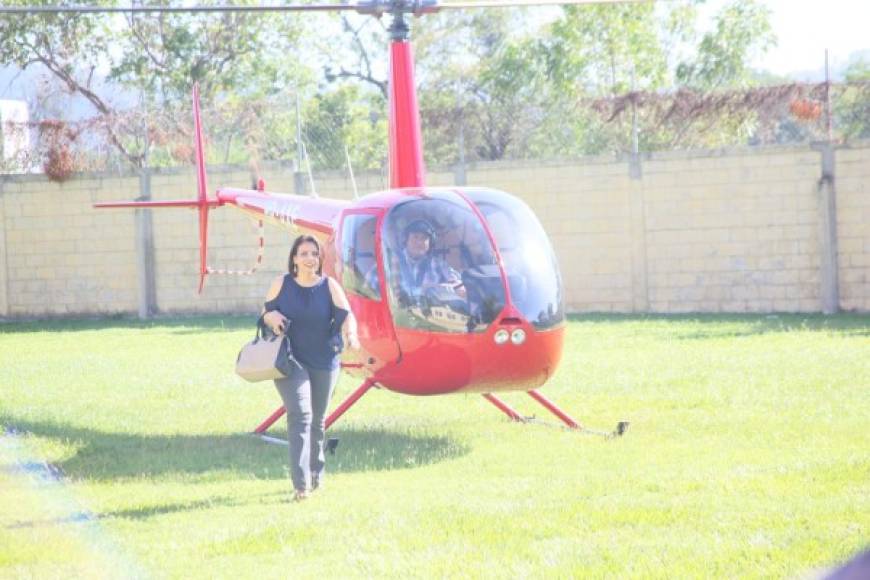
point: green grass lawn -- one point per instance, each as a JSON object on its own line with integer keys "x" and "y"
{"x": 748, "y": 455}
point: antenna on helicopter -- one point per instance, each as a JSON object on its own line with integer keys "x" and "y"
{"x": 308, "y": 168}
{"x": 350, "y": 170}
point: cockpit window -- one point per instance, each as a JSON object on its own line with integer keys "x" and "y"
{"x": 359, "y": 264}
{"x": 441, "y": 267}
{"x": 529, "y": 261}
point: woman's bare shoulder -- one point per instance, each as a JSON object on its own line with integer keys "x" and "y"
{"x": 275, "y": 288}
{"x": 338, "y": 296}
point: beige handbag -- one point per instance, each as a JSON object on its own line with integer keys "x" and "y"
{"x": 267, "y": 357}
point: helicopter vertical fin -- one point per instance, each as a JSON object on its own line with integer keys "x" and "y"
{"x": 201, "y": 189}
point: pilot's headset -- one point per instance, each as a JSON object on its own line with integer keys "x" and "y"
{"x": 421, "y": 226}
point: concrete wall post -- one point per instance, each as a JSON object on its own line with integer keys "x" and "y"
{"x": 829, "y": 269}
{"x": 4, "y": 290}
{"x": 639, "y": 284}
{"x": 147, "y": 298}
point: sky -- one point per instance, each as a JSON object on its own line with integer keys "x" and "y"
{"x": 805, "y": 28}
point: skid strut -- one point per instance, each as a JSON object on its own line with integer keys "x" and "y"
{"x": 333, "y": 417}
{"x": 549, "y": 405}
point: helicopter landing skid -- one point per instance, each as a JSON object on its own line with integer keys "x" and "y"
{"x": 620, "y": 429}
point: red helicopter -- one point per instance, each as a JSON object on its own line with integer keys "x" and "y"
{"x": 500, "y": 326}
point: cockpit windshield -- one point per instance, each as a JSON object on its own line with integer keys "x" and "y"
{"x": 529, "y": 260}
{"x": 442, "y": 270}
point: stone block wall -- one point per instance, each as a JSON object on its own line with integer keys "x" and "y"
{"x": 737, "y": 230}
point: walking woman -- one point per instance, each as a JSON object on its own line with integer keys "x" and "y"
{"x": 313, "y": 310}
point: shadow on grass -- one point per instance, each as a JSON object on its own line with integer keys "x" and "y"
{"x": 174, "y": 324}
{"x": 714, "y": 325}
{"x": 704, "y": 326}
{"x": 102, "y": 456}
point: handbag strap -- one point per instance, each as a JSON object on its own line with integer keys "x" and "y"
{"x": 260, "y": 332}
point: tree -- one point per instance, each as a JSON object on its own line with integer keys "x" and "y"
{"x": 741, "y": 30}
{"x": 346, "y": 117}
{"x": 852, "y": 102}
{"x": 482, "y": 78}
{"x": 629, "y": 54}
{"x": 68, "y": 46}
{"x": 239, "y": 60}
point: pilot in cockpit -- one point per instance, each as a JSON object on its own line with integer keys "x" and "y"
{"x": 420, "y": 270}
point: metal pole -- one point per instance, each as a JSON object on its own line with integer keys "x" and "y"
{"x": 459, "y": 175}
{"x": 298, "y": 179}
{"x": 635, "y": 141}
{"x": 634, "y": 168}
{"x": 829, "y": 125}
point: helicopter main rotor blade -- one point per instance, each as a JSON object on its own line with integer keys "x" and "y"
{"x": 373, "y": 7}
{"x": 188, "y": 9}
{"x": 517, "y": 3}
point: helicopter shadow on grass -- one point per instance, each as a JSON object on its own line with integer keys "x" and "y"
{"x": 106, "y": 456}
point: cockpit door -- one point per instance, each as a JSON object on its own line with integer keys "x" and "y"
{"x": 361, "y": 274}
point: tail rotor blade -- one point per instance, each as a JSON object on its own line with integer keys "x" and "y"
{"x": 201, "y": 189}
{"x": 202, "y": 203}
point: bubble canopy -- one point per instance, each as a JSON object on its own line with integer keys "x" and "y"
{"x": 528, "y": 258}
{"x": 443, "y": 272}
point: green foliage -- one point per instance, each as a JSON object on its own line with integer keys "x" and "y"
{"x": 852, "y": 105}
{"x": 243, "y": 54}
{"x": 515, "y": 91}
{"x": 741, "y": 30}
{"x": 346, "y": 117}
{"x": 239, "y": 61}
{"x": 493, "y": 84}
{"x": 605, "y": 50}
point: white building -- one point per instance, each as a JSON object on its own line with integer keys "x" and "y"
{"x": 14, "y": 136}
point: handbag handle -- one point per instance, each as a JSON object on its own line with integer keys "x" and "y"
{"x": 263, "y": 331}
{"x": 260, "y": 332}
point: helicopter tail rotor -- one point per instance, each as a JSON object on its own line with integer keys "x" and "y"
{"x": 202, "y": 203}
{"x": 201, "y": 189}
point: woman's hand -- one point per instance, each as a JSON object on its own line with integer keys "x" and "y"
{"x": 275, "y": 321}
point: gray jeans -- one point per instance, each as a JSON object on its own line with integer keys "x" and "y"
{"x": 306, "y": 395}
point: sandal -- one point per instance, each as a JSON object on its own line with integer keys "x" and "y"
{"x": 300, "y": 494}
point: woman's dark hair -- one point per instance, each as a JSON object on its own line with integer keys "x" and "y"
{"x": 304, "y": 239}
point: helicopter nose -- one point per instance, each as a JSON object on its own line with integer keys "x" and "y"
{"x": 517, "y": 356}
{"x": 510, "y": 330}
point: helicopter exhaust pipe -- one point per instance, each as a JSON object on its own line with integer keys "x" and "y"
{"x": 202, "y": 203}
